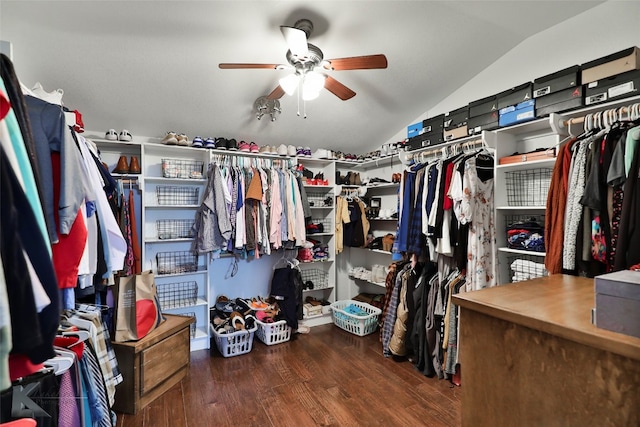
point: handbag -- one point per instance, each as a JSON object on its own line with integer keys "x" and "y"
{"x": 137, "y": 307}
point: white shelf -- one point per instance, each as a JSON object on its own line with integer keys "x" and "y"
{"x": 199, "y": 302}
{"x": 327, "y": 187}
{"x": 321, "y": 207}
{"x": 310, "y": 235}
{"x": 172, "y": 206}
{"x": 520, "y": 208}
{"x": 544, "y": 163}
{"x": 381, "y": 284}
{"x": 380, "y": 251}
{"x": 106, "y": 143}
{"x": 315, "y": 261}
{"x": 537, "y": 125}
{"x": 382, "y": 219}
{"x": 522, "y": 252}
{"x": 200, "y": 270}
{"x": 317, "y": 290}
{"x": 382, "y": 185}
{"x": 323, "y": 319}
{"x": 156, "y": 240}
{"x": 162, "y": 180}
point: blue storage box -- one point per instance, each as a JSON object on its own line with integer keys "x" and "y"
{"x": 414, "y": 130}
{"x": 517, "y": 113}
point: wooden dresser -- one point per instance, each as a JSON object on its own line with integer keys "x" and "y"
{"x": 530, "y": 356}
{"x": 152, "y": 365}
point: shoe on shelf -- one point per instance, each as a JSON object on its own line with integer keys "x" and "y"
{"x": 170, "y": 139}
{"x": 124, "y": 136}
{"x": 122, "y": 166}
{"x": 111, "y": 135}
{"x": 210, "y": 143}
{"x": 197, "y": 142}
{"x": 282, "y": 150}
{"x": 265, "y": 149}
{"x": 291, "y": 151}
{"x": 134, "y": 165}
{"x": 320, "y": 153}
{"x": 300, "y": 152}
{"x": 182, "y": 140}
{"x": 253, "y": 147}
{"x": 307, "y": 152}
{"x": 244, "y": 147}
{"x": 232, "y": 144}
{"x": 220, "y": 143}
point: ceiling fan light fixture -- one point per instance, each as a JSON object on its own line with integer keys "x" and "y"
{"x": 289, "y": 83}
{"x": 313, "y": 81}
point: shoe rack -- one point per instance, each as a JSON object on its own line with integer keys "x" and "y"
{"x": 321, "y": 270}
{"x": 362, "y": 269}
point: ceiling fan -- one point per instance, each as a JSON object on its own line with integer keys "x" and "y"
{"x": 309, "y": 66}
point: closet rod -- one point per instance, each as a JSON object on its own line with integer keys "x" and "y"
{"x": 619, "y": 111}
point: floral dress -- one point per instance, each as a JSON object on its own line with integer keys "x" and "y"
{"x": 477, "y": 208}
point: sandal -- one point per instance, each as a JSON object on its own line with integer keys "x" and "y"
{"x": 237, "y": 321}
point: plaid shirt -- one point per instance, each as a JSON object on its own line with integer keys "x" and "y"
{"x": 393, "y": 284}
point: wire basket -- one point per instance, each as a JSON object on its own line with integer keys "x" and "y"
{"x": 192, "y": 326}
{"x": 319, "y": 278}
{"x": 175, "y": 228}
{"x": 320, "y": 199}
{"x": 526, "y": 267}
{"x": 177, "y": 168}
{"x": 179, "y": 294}
{"x": 528, "y": 187}
{"x": 360, "y": 325}
{"x": 273, "y": 333}
{"x": 173, "y": 195}
{"x": 525, "y": 232}
{"x": 176, "y": 262}
{"x": 235, "y": 343}
{"x": 319, "y": 225}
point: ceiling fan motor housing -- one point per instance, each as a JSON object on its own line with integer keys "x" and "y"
{"x": 304, "y": 25}
{"x": 306, "y": 63}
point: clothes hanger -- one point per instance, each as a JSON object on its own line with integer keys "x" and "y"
{"x": 62, "y": 361}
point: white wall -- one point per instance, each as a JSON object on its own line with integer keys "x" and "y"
{"x": 605, "y": 29}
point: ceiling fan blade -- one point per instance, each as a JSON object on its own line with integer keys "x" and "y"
{"x": 233, "y": 66}
{"x": 277, "y": 93}
{"x": 338, "y": 89}
{"x": 366, "y": 62}
{"x": 296, "y": 41}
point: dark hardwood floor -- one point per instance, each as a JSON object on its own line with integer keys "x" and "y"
{"x": 328, "y": 377}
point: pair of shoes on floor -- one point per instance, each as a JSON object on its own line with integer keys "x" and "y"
{"x": 125, "y": 167}
{"x": 172, "y": 138}
{"x": 112, "y": 135}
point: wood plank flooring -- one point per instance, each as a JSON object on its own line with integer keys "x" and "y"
{"x": 328, "y": 377}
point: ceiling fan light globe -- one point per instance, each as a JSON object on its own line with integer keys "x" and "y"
{"x": 313, "y": 81}
{"x": 309, "y": 95}
{"x": 289, "y": 84}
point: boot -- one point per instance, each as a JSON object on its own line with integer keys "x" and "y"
{"x": 134, "y": 166}
{"x": 122, "y": 166}
{"x": 356, "y": 179}
{"x": 387, "y": 242}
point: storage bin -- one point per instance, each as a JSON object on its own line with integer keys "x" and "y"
{"x": 526, "y": 267}
{"x": 176, "y": 262}
{"x": 175, "y": 228}
{"x": 525, "y": 232}
{"x": 176, "y": 295}
{"x": 319, "y": 278}
{"x": 184, "y": 169}
{"x": 528, "y": 187}
{"x": 235, "y": 343}
{"x": 170, "y": 195}
{"x": 273, "y": 333}
{"x": 357, "y": 325}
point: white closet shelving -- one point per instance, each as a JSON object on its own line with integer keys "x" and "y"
{"x": 174, "y": 180}
{"x": 321, "y": 272}
{"x": 386, "y": 194}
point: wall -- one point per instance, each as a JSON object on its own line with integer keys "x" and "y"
{"x": 605, "y": 29}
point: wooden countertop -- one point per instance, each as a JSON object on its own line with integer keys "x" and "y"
{"x": 559, "y": 305}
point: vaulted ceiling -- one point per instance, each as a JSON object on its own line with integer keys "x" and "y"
{"x": 152, "y": 66}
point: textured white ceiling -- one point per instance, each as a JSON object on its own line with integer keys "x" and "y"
{"x": 152, "y": 66}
